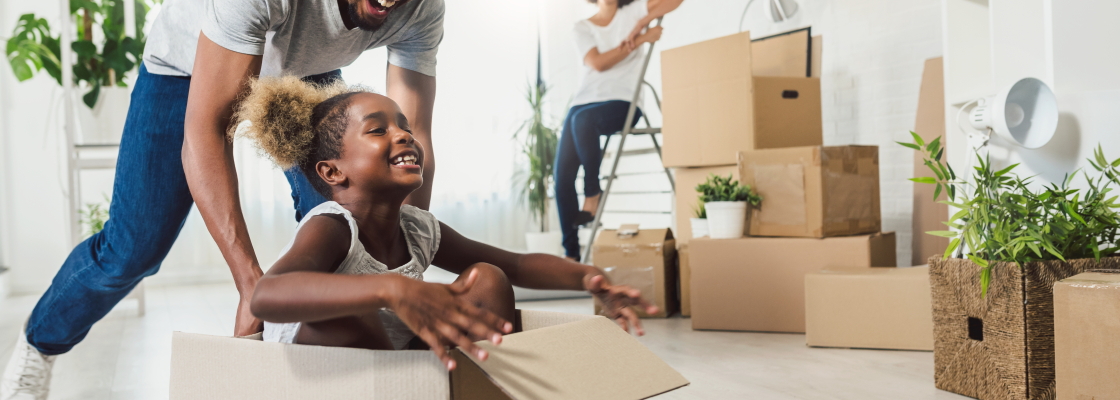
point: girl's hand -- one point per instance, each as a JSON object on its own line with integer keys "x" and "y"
{"x": 440, "y": 316}
{"x": 631, "y": 40}
{"x": 616, "y": 300}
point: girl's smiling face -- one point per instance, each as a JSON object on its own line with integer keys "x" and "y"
{"x": 379, "y": 154}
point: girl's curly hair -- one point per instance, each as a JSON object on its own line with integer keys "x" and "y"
{"x": 295, "y": 123}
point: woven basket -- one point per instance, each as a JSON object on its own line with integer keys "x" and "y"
{"x": 1002, "y": 346}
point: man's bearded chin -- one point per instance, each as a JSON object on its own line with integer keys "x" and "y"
{"x": 363, "y": 23}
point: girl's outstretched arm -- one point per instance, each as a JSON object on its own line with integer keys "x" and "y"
{"x": 302, "y": 287}
{"x": 542, "y": 271}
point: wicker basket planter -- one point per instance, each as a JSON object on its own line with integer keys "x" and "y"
{"x": 1001, "y": 346}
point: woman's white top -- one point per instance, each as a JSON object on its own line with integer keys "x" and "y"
{"x": 618, "y": 82}
{"x": 421, "y": 233}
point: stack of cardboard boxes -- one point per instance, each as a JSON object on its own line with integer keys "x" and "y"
{"x": 754, "y": 110}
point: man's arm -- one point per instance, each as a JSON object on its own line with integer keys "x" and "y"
{"x": 219, "y": 76}
{"x": 415, "y": 93}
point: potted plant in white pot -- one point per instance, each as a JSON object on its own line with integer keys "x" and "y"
{"x": 104, "y": 54}
{"x": 726, "y": 202}
{"x": 699, "y": 221}
{"x": 538, "y": 145}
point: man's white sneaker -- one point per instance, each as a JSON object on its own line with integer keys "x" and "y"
{"x": 28, "y": 375}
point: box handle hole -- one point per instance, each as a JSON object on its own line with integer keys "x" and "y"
{"x": 789, "y": 94}
{"x": 976, "y": 329}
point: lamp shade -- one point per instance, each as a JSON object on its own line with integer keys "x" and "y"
{"x": 1025, "y": 114}
{"x": 780, "y": 10}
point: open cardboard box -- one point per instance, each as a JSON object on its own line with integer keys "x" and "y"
{"x": 1086, "y": 320}
{"x": 556, "y": 356}
{"x": 645, "y": 259}
{"x": 715, "y": 105}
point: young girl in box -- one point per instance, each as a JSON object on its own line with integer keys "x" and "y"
{"x": 352, "y": 276}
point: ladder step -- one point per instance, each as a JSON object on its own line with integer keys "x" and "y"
{"x": 97, "y": 163}
{"x": 635, "y": 212}
{"x": 635, "y": 152}
{"x": 645, "y": 131}
{"x": 97, "y": 145}
{"x": 662, "y": 172}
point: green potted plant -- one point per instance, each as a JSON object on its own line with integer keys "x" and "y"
{"x": 726, "y": 202}
{"x": 699, "y": 221}
{"x": 992, "y": 287}
{"x": 104, "y": 54}
{"x": 538, "y": 144}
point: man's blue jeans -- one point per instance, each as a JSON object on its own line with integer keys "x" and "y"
{"x": 150, "y": 203}
{"x": 579, "y": 145}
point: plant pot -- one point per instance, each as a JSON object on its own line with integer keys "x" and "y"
{"x": 726, "y": 219}
{"x": 104, "y": 123}
{"x": 699, "y": 227}
{"x": 544, "y": 242}
{"x": 1001, "y": 346}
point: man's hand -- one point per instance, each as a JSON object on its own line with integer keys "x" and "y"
{"x": 440, "y": 316}
{"x": 246, "y": 323}
{"x": 617, "y": 300}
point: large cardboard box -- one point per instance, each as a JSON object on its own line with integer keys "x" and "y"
{"x": 686, "y": 197}
{"x": 930, "y": 124}
{"x": 556, "y": 356}
{"x": 1086, "y": 323}
{"x": 871, "y": 308}
{"x": 714, "y": 107}
{"x": 645, "y": 260}
{"x": 686, "y": 280}
{"x": 817, "y": 191}
{"x": 758, "y": 284}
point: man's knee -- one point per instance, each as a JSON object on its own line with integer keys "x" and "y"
{"x": 489, "y": 276}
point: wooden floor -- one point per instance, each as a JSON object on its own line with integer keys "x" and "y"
{"x": 128, "y": 357}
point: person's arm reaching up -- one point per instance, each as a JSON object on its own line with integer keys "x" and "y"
{"x": 542, "y": 271}
{"x": 604, "y": 61}
{"x": 219, "y": 76}
{"x": 416, "y": 95}
{"x": 657, "y": 9}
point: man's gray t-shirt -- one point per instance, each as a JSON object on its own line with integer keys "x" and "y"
{"x": 295, "y": 37}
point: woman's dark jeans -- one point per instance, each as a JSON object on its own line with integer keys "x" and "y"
{"x": 150, "y": 203}
{"x": 579, "y": 145}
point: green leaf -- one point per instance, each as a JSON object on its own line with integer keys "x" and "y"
{"x": 910, "y": 145}
{"x": 937, "y": 192}
{"x": 945, "y": 234}
{"x": 918, "y": 139}
{"x": 1004, "y": 171}
{"x": 924, "y": 179}
{"x": 985, "y": 280}
{"x": 934, "y": 146}
{"x": 953, "y": 244}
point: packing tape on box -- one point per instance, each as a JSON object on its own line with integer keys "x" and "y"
{"x": 628, "y": 249}
{"x": 787, "y": 179}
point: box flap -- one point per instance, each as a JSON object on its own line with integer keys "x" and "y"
{"x": 647, "y": 237}
{"x": 1093, "y": 279}
{"x": 531, "y": 320}
{"x": 591, "y": 359}
{"x": 215, "y": 367}
{"x": 784, "y": 54}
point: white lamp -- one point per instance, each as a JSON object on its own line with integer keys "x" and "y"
{"x": 780, "y": 10}
{"x": 1025, "y": 113}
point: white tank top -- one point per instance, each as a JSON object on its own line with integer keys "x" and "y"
{"x": 421, "y": 234}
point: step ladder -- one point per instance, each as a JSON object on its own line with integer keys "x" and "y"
{"x": 626, "y": 131}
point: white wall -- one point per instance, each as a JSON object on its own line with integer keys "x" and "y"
{"x": 874, "y": 51}
{"x": 34, "y": 229}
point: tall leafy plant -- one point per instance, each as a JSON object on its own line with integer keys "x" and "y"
{"x": 33, "y": 47}
{"x": 538, "y": 145}
{"x": 1001, "y": 219}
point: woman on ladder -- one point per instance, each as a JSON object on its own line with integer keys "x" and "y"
{"x": 607, "y": 41}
